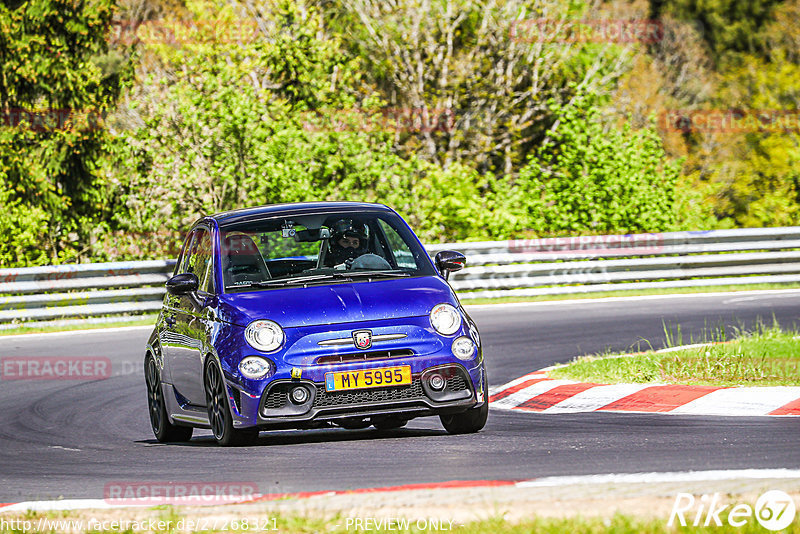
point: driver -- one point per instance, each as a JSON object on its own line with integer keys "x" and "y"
{"x": 349, "y": 241}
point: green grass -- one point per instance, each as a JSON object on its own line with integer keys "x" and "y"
{"x": 618, "y": 524}
{"x": 631, "y": 293}
{"x": 766, "y": 356}
{"x": 144, "y": 321}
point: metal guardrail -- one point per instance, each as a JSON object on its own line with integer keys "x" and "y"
{"x": 82, "y": 290}
{"x": 516, "y": 268}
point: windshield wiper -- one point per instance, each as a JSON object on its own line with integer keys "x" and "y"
{"x": 376, "y": 274}
{"x": 292, "y": 281}
{"x": 339, "y": 275}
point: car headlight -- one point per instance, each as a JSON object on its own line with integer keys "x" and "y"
{"x": 463, "y": 348}
{"x": 255, "y": 367}
{"x": 264, "y": 335}
{"x": 445, "y": 319}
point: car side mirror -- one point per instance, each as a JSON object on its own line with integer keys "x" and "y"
{"x": 449, "y": 261}
{"x": 182, "y": 284}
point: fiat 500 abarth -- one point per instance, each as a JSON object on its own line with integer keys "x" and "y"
{"x": 311, "y": 315}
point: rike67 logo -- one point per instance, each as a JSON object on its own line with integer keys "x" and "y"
{"x": 774, "y": 510}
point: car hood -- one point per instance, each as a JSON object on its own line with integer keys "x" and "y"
{"x": 337, "y": 303}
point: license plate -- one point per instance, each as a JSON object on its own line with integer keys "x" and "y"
{"x": 369, "y": 378}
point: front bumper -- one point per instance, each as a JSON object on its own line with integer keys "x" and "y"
{"x": 275, "y": 409}
{"x": 307, "y": 359}
{"x": 417, "y": 398}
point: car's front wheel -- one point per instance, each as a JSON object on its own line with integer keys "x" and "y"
{"x": 466, "y": 422}
{"x": 473, "y": 419}
{"x": 219, "y": 413}
{"x": 162, "y": 428}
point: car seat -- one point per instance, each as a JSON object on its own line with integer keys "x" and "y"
{"x": 242, "y": 261}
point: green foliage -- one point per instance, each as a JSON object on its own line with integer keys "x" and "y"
{"x": 247, "y": 103}
{"x": 482, "y": 65}
{"x": 24, "y": 229}
{"x": 228, "y": 126}
{"x": 765, "y": 189}
{"x": 440, "y": 204}
{"x": 53, "y": 94}
{"x": 693, "y": 206}
{"x": 726, "y": 25}
{"x": 284, "y": 116}
{"x": 750, "y": 171}
{"x": 590, "y": 178}
{"x": 212, "y": 139}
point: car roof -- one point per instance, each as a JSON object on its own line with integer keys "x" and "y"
{"x": 293, "y": 209}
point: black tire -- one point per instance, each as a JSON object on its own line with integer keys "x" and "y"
{"x": 219, "y": 413}
{"x": 389, "y": 423}
{"x": 473, "y": 419}
{"x": 467, "y": 422}
{"x": 163, "y": 430}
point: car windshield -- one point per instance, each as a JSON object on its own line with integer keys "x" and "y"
{"x": 319, "y": 249}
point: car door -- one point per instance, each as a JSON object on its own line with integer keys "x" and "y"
{"x": 171, "y": 340}
{"x": 191, "y": 328}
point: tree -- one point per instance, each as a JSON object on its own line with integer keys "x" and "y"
{"x": 231, "y": 115}
{"x": 486, "y": 69}
{"x": 595, "y": 179}
{"x": 23, "y": 229}
{"x": 53, "y": 95}
{"x": 749, "y": 162}
{"x": 727, "y": 26}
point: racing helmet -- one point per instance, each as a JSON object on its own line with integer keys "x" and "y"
{"x": 346, "y": 228}
{"x": 350, "y": 228}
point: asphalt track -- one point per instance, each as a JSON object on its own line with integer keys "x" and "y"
{"x": 69, "y": 439}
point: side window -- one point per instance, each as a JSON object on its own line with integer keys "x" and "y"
{"x": 180, "y": 266}
{"x": 402, "y": 253}
{"x": 200, "y": 260}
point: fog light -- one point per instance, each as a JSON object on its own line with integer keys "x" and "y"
{"x": 299, "y": 395}
{"x": 255, "y": 367}
{"x": 463, "y": 348}
{"x": 437, "y": 382}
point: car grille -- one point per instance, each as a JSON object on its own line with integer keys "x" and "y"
{"x": 363, "y": 356}
{"x": 456, "y": 383}
{"x": 390, "y": 394}
{"x": 278, "y": 395}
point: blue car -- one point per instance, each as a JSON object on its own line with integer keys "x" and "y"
{"x": 311, "y": 315}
